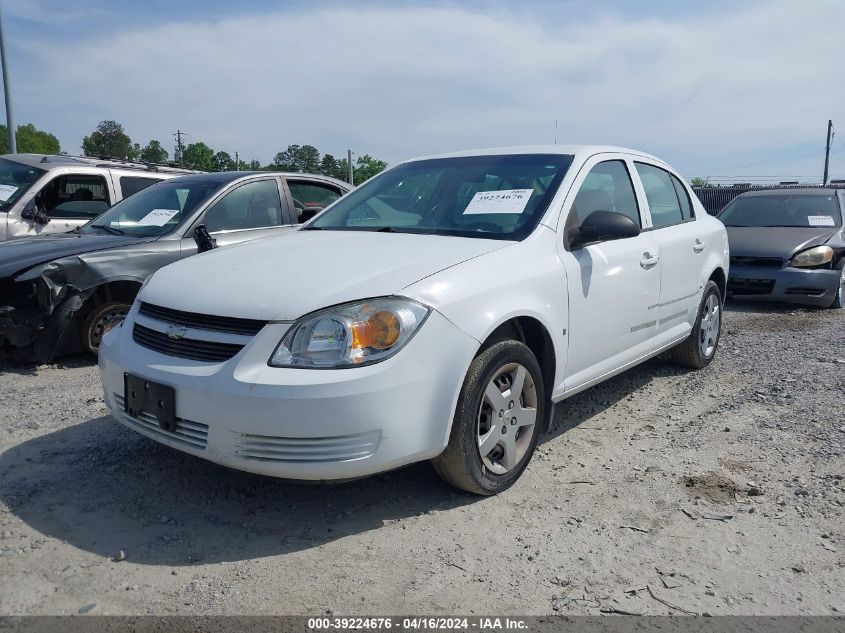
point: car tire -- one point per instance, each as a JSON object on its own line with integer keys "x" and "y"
{"x": 839, "y": 299}
{"x": 699, "y": 348}
{"x": 102, "y": 318}
{"x": 485, "y": 421}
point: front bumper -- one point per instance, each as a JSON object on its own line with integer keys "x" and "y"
{"x": 300, "y": 423}
{"x": 815, "y": 287}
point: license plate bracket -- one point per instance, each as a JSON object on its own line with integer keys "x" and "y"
{"x": 155, "y": 399}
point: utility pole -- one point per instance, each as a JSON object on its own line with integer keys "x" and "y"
{"x": 179, "y": 147}
{"x": 10, "y": 120}
{"x": 826, "y": 151}
{"x": 237, "y": 164}
{"x": 349, "y": 176}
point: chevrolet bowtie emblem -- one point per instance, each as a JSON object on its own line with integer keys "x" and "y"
{"x": 176, "y": 332}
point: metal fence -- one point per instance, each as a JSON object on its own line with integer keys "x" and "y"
{"x": 714, "y": 198}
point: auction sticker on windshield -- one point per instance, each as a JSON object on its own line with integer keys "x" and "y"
{"x": 820, "y": 220}
{"x": 157, "y": 217}
{"x": 6, "y": 192}
{"x": 504, "y": 201}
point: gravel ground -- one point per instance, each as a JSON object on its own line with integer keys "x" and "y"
{"x": 619, "y": 510}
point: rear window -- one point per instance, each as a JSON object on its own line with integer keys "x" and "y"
{"x": 792, "y": 210}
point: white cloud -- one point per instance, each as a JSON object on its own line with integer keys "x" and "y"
{"x": 403, "y": 81}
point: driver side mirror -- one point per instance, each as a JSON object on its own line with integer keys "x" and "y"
{"x": 203, "y": 239}
{"x": 602, "y": 226}
{"x": 33, "y": 213}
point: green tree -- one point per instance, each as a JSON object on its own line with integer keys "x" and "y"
{"x": 224, "y": 162}
{"x": 253, "y": 165}
{"x": 154, "y": 153}
{"x": 700, "y": 182}
{"x": 199, "y": 156}
{"x": 328, "y": 165}
{"x": 301, "y": 158}
{"x": 366, "y": 167}
{"x": 109, "y": 140}
{"x": 30, "y": 140}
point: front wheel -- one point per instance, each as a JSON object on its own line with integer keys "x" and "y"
{"x": 100, "y": 320}
{"x": 497, "y": 420}
{"x": 699, "y": 348}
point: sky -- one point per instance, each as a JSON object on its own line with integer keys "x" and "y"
{"x": 730, "y": 90}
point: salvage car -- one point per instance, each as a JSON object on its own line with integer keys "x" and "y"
{"x": 44, "y": 193}
{"x": 59, "y": 293}
{"x": 436, "y": 312}
{"x": 787, "y": 245}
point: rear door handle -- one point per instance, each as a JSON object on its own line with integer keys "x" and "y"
{"x": 649, "y": 260}
{"x": 698, "y": 246}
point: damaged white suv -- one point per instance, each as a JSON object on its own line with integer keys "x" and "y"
{"x": 436, "y": 313}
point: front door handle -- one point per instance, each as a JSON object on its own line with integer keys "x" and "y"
{"x": 649, "y": 260}
{"x": 698, "y": 246}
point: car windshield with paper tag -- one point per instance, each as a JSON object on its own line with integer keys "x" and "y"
{"x": 501, "y": 197}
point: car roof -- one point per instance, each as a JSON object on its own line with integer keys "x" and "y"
{"x": 223, "y": 177}
{"x": 580, "y": 151}
{"x": 47, "y": 161}
{"x": 806, "y": 191}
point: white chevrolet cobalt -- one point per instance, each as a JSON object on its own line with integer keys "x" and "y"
{"x": 434, "y": 313}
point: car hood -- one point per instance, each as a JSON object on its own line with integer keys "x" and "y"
{"x": 284, "y": 277}
{"x": 19, "y": 255}
{"x": 775, "y": 241}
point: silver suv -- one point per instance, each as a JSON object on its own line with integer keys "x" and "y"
{"x": 42, "y": 193}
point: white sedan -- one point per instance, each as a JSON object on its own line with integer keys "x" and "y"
{"x": 435, "y": 313}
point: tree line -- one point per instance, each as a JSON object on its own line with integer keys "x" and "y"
{"x": 110, "y": 140}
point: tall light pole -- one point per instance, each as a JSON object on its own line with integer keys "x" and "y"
{"x": 826, "y": 150}
{"x": 10, "y": 120}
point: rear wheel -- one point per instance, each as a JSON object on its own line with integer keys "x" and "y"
{"x": 497, "y": 420}
{"x": 100, "y": 320}
{"x": 839, "y": 299}
{"x": 700, "y": 347}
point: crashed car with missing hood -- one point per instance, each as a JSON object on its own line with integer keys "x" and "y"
{"x": 60, "y": 293}
{"x": 787, "y": 245}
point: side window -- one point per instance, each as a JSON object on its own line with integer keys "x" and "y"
{"x": 309, "y": 198}
{"x": 75, "y": 197}
{"x": 683, "y": 197}
{"x": 254, "y": 205}
{"x": 661, "y": 195}
{"x": 606, "y": 188}
{"x": 133, "y": 184}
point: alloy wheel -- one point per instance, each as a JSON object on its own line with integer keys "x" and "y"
{"x": 709, "y": 330}
{"x": 506, "y": 418}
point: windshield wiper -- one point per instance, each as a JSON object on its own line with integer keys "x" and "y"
{"x": 108, "y": 229}
{"x": 311, "y": 228}
{"x": 386, "y": 229}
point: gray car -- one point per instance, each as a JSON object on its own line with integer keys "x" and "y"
{"x": 787, "y": 245}
{"x": 60, "y": 293}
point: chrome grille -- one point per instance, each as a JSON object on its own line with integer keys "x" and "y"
{"x": 307, "y": 449}
{"x": 232, "y": 325}
{"x": 192, "y": 349}
{"x": 188, "y": 433}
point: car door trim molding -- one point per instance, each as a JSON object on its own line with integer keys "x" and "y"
{"x": 668, "y": 303}
{"x": 643, "y": 326}
{"x": 672, "y": 317}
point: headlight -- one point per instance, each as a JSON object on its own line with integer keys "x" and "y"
{"x": 350, "y": 335}
{"x": 813, "y": 257}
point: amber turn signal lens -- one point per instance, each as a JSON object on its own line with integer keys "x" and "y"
{"x": 380, "y": 331}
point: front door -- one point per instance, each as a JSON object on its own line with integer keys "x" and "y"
{"x": 249, "y": 211}
{"x": 613, "y": 286}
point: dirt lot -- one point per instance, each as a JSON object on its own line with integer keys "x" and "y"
{"x": 611, "y": 514}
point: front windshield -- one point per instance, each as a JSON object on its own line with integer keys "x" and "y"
{"x": 153, "y": 211}
{"x": 801, "y": 210}
{"x": 500, "y": 197}
{"x": 15, "y": 179}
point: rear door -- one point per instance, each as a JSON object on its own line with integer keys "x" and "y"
{"x": 682, "y": 247}
{"x": 308, "y": 197}
{"x": 614, "y": 285}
